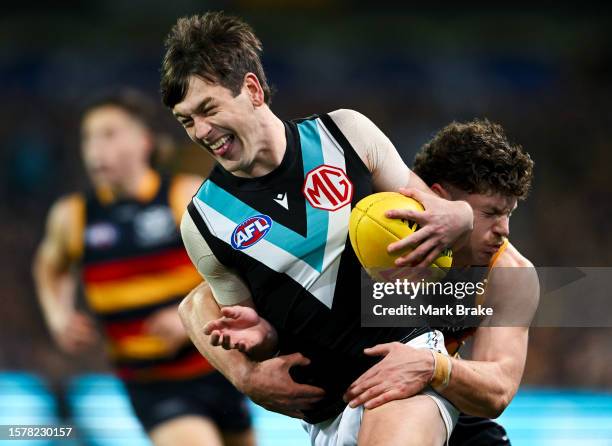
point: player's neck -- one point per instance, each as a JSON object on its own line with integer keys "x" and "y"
{"x": 271, "y": 146}
{"x": 137, "y": 185}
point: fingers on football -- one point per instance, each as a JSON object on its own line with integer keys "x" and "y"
{"x": 412, "y": 241}
{"x": 417, "y": 194}
{"x": 421, "y": 217}
{"x": 422, "y": 256}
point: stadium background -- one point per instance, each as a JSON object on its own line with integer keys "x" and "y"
{"x": 545, "y": 75}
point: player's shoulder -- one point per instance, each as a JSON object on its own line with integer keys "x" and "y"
{"x": 511, "y": 257}
{"x": 347, "y": 115}
{"x": 187, "y": 224}
{"x": 67, "y": 208}
{"x": 513, "y": 269}
{"x": 65, "y": 224}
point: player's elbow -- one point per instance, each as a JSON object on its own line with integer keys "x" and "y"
{"x": 498, "y": 401}
{"x": 497, "y": 406}
{"x": 186, "y": 308}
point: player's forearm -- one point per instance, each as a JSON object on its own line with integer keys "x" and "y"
{"x": 54, "y": 289}
{"x": 415, "y": 182}
{"x": 479, "y": 388}
{"x": 196, "y": 310}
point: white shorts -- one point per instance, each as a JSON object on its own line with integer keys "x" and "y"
{"x": 344, "y": 429}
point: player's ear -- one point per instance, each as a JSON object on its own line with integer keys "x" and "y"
{"x": 253, "y": 89}
{"x": 440, "y": 191}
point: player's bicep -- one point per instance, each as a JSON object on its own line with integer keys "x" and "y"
{"x": 513, "y": 292}
{"x": 227, "y": 287}
{"x": 500, "y": 344}
{"x": 388, "y": 169}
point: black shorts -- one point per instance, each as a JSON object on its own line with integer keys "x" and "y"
{"x": 477, "y": 431}
{"x": 210, "y": 396}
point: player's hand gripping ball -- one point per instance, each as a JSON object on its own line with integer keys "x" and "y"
{"x": 371, "y": 232}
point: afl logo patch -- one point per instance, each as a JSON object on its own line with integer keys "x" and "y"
{"x": 250, "y": 231}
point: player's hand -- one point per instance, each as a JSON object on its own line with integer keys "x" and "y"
{"x": 74, "y": 332}
{"x": 166, "y": 324}
{"x": 403, "y": 372}
{"x": 270, "y": 385}
{"x": 441, "y": 224}
{"x": 242, "y": 329}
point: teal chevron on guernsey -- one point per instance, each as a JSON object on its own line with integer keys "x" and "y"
{"x": 310, "y": 249}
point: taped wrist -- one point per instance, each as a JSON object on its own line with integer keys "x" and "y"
{"x": 442, "y": 371}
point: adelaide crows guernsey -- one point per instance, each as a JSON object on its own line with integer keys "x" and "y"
{"x": 455, "y": 337}
{"x": 134, "y": 264}
{"x": 285, "y": 235}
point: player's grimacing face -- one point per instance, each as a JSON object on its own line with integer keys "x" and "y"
{"x": 113, "y": 144}
{"x": 491, "y": 224}
{"x": 221, "y": 123}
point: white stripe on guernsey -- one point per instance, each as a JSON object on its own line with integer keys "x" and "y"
{"x": 263, "y": 251}
{"x": 321, "y": 285}
{"x": 337, "y": 224}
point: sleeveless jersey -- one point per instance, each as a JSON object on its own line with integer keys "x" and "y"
{"x": 134, "y": 264}
{"x": 454, "y": 338}
{"x": 285, "y": 234}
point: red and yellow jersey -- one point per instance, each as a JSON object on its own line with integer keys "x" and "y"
{"x": 134, "y": 264}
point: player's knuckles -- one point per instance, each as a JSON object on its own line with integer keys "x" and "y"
{"x": 403, "y": 390}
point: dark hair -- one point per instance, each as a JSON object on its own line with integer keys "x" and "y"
{"x": 136, "y": 104}
{"x": 216, "y": 47}
{"x": 475, "y": 157}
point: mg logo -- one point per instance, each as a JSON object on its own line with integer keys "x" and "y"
{"x": 328, "y": 188}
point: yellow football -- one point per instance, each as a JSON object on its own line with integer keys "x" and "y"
{"x": 371, "y": 232}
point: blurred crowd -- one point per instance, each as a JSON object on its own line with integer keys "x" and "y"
{"x": 546, "y": 78}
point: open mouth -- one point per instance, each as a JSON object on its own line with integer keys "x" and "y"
{"x": 221, "y": 146}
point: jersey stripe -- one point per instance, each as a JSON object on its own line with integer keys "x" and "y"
{"x": 236, "y": 211}
{"x": 146, "y": 289}
{"x": 125, "y": 268}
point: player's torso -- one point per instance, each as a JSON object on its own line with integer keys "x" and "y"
{"x": 134, "y": 264}
{"x": 286, "y": 235}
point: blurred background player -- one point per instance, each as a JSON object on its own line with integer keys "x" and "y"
{"x": 121, "y": 237}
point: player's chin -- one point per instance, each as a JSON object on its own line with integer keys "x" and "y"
{"x": 484, "y": 257}
{"x": 231, "y": 165}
